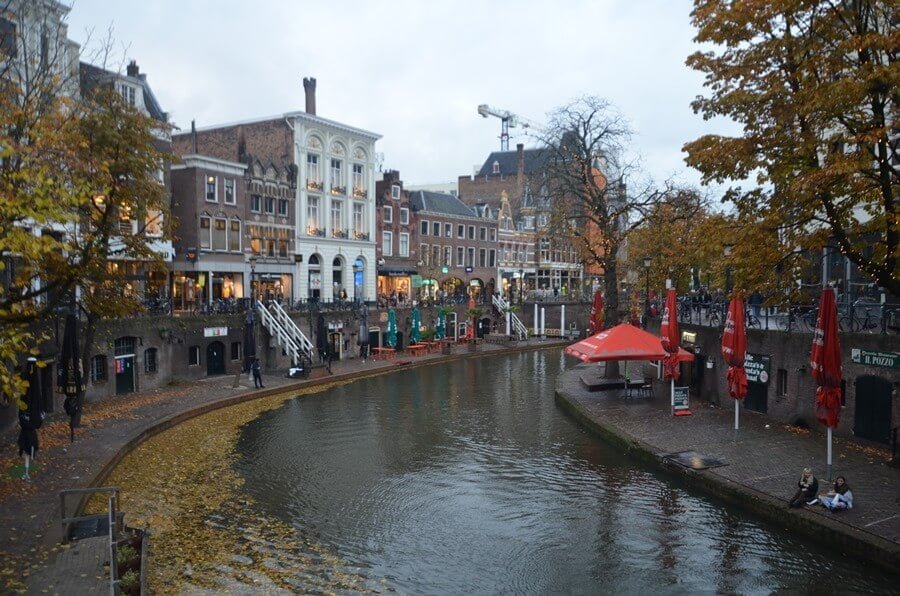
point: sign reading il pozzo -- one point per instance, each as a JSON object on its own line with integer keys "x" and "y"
{"x": 873, "y": 358}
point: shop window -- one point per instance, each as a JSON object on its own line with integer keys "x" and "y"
{"x": 98, "y": 368}
{"x": 150, "y": 360}
{"x": 235, "y": 351}
{"x": 194, "y": 356}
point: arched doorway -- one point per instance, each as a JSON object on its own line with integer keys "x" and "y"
{"x": 124, "y": 353}
{"x": 215, "y": 358}
{"x": 359, "y": 279}
{"x": 454, "y": 288}
{"x": 872, "y": 418}
{"x": 337, "y": 279}
{"x": 315, "y": 279}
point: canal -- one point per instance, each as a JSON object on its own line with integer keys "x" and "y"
{"x": 466, "y": 477}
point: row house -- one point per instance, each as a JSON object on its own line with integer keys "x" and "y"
{"x": 398, "y": 276}
{"x": 309, "y": 228}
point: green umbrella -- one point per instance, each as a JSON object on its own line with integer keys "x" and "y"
{"x": 414, "y": 332}
{"x": 392, "y": 329}
{"x": 440, "y": 330}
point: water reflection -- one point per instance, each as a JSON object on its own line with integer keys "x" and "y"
{"x": 466, "y": 476}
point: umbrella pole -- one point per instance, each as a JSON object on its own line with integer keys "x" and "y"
{"x": 672, "y": 395}
{"x": 27, "y": 464}
{"x": 829, "y": 454}
{"x": 737, "y": 419}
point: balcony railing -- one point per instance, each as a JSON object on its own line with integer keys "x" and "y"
{"x": 315, "y": 185}
{"x": 338, "y": 234}
{"x": 360, "y": 193}
{"x": 338, "y": 190}
{"x": 360, "y": 235}
{"x": 315, "y": 232}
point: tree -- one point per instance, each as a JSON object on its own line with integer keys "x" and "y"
{"x": 596, "y": 200}
{"x": 815, "y": 86}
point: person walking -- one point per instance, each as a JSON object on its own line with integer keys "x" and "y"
{"x": 257, "y": 374}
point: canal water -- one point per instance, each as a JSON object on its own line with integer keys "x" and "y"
{"x": 467, "y": 477}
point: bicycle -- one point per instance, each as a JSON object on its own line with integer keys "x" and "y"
{"x": 715, "y": 315}
{"x": 751, "y": 319}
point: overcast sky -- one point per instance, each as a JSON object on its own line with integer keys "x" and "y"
{"x": 415, "y": 71}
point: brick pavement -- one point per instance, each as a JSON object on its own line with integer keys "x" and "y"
{"x": 764, "y": 459}
{"x": 29, "y": 525}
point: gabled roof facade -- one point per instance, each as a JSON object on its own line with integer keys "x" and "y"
{"x": 507, "y": 162}
{"x": 437, "y": 202}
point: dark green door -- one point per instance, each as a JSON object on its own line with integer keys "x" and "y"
{"x": 757, "y": 397}
{"x": 124, "y": 375}
{"x": 872, "y": 419}
{"x": 215, "y": 358}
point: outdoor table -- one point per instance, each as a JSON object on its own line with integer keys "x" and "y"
{"x": 418, "y": 349}
{"x": 383, "y": 353}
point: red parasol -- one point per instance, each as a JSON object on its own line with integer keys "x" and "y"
{"x": 670, "y": 335}
{"x": 825, "y": 362}
{"x": 734, "y": 348}
{"x": 596, "y": 323}
{"x": 622, "y": 342}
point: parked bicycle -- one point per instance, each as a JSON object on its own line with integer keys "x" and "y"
{"x": 868, "y": 323}
{"x": 751, "y": 319}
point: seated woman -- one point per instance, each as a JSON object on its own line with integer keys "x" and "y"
{"x": 840, "y": 499}
{"x": 808, "y": 488}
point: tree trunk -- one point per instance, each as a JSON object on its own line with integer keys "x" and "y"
{"x": 90, "y": 330}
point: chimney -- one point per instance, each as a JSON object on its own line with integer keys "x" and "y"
{"x": 193, "y": 137}
{"x": 132, "y": 69}
{"x": 309, "y": 85}
{"x": 520, "y": 166}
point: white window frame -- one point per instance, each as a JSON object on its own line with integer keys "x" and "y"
{"x": 387, "y": 244}
{"x": 215, "y": 182}
{"x": 395, "y": 192}
{"x": 388, "y": 214}
{"x": 448, "y": 230}
{"x": 460, "y": 256}
{"x": 229, "y": 182}
{"x": 404, "y": 216}
{"x": 224, "y": 247}
{"x": 359, "y": 218}
{"x": 337, "y": 173}
{"x": 424, "y": 227}
{"x": 238, "y": 233}
{"x": 313, "y": 169}
{"x": 404, "y": 244}
{"x": 312, "y": 214}
{"x": 282, "y": 202}
{"x": 337, "y": 215}
{"x": 208, "y": 233}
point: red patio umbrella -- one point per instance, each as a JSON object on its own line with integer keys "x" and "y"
{"x": 622, "y": 342}
{"x": 734, "y": 351}
{"x": 825, "y": 364}
{"x": 596, "y": 323}
{"x": 670, "y": 337}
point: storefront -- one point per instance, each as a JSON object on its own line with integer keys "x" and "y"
{"x": 394, "y": 284}
{"x": 190, "y": 289}
{"x": 274, "y": 286}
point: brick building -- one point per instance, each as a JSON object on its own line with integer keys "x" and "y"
{"x": 395, "y": 251}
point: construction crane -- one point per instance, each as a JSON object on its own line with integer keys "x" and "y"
{"x": 507, "y": 120}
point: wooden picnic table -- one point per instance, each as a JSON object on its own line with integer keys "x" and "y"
{"x": 383, "y": 353}
{"x": 418, "y": 349}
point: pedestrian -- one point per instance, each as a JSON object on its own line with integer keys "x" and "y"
{"x": 839, "y": 499}
{"x": 755, "y": 301}
{"x": 807, "y": 489}
{"x": 257, "y": 375}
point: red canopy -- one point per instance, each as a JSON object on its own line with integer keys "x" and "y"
{"x": 670, "y": 335}
{"x": 734, "y": 348}
{"x": 622, "y": 342}
{"x": 825, "y": 362}
{"x": 596, "y": 323}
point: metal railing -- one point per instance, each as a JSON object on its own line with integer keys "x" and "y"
{"x": 112, "y": 515}
{"x": 285, "y": 331}
{"x": 517, "y": 326}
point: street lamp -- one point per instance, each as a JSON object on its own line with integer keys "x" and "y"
{"x": 647, "y": 261}
{"x": 727, "y": 250}
{"x": 521, "y": 286}
{"x": 251, "y": 258}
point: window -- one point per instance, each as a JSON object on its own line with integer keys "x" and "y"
{"x": 495, "y": 167}
{"x": 436, "y": 255}
{"x": 255, "y": 203}
{"x": 229, "y": 191}
{"x": 270, "y": 205}
{"x": 150, "y": 360}
{"x": 448, "y": 255}
{"x": 395, "y": 191}
{"x": 470, "y": 257}
{"x": 313, "y": 172}
{"x": 337, "y": 216}
{"x": 781, "y": 383}
{"x": 424, "y": 253}
{"x": 234, "y": 235}
{"x": 471, "y": 232}
{"x": 387, "y": 244}
{"x": 337, "y": 176}
{"x": 219, "y": 241}
{"x": 359, "y": 188}
{"x": 312, "y": 215}
{"x": 126, "y": 91}
{"x": 423, "y": 227}
{"x": 388, "y": 214}
{"x": 98, "y": 368}
{"x": 404, "y": 244}
{"x": 235, "y": 350}
{"x": 358, "y": 226}
{"x": 492, "y": 258}
{"x": 482, "y": 233}
{"x": 448, "y": 230}
{"x": 283, "y": 207}
{"x": 436, "y": 229}
{"x": 460, "y": 231}
{"x": 482, "y": 257}
{"x": 204, "y": 232}
{"x": 404, "y": 216}
{"x": 194, "y": 356}
{"x": 493, "y": 234}
{"x": 460, "y": 256}
{"x": 211, "y": 188}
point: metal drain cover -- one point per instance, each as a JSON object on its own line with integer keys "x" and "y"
{"x": 693, "y": 460}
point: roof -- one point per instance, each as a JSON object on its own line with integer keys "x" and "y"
{"x": 509, "y": 162}
{"x": 93, "y": 75}
{"x": 438, "y": 202}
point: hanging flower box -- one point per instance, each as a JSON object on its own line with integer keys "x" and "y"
{"x": 313, "y": 185}
{"x": 338, "y": 190}
{"x": 360, "y": 193}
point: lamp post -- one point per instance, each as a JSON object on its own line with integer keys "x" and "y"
{"x": 521, "y": 286}
{"x": 726, "y": 248}
{"x": 647, "y": 261}
{"x": 251, "y": 258}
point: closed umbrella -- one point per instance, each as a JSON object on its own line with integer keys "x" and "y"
{"x": 364, "y": 332}
{"x": 440, "y": 328}
{"x": 70, "y": 373}
{"x": 250, "y": 342}
{"x": 414, "y": 332}
{"x": 392, "y": 328}
{"x": 825, "y": 364}
{"x": 31, "y": 415}
{"x": 670, "y": 337}
{"x": 596, "y": 322}
{"x": 734, "y": 351}
{"x": 321, "y": 337}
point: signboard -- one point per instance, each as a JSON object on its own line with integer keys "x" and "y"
{"x": 873, "y": 358}
{"x": 682, "y": 399}
{"x": 215, "y": 331}
{"x": 688, "y": 338}
{"x": 757, "y": 367}
{"x": 416, "y": 281}
{"x": 468, "y": 269}
{"x": 445, "y": 270}
{"x": 315, "y": 281}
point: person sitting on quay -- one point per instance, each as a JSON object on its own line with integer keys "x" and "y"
{"x": 841, "y": 498}
{"x": 808, "y": 488}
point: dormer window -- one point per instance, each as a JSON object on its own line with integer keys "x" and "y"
{"x": 127, "y": 93}
{"x": 395, "y": 191}
{"x": 496, "y": 167}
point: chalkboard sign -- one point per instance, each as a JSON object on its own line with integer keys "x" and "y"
{"x": 682, "y": 399}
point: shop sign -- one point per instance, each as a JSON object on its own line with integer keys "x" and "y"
{"x": 215, "y": 331}
{"x": 873, "y": 358}
{"x": 688, "y": 338}
{"x": 682, "y": 398}
{"x": 416, "y": 281}
{"x": 757, "y": 367}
